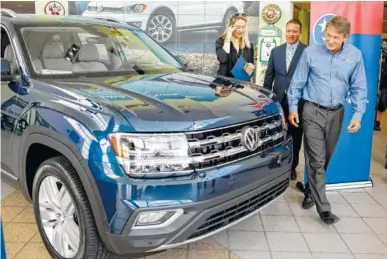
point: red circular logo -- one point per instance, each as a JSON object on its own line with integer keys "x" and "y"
{"x": 54, "y": 8}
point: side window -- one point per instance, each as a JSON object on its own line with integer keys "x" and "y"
{"x": 7, "y": 51}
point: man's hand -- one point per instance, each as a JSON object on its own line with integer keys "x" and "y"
{"x": 354, "y": 126}
{"x": 293, "y": 118}
{"x": 284, "y": 123}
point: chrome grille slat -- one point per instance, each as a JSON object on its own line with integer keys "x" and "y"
{"x": 219, "y": 146}
{"x": 227, "y": 137}
{"x": 228, "y": 152}
{"x": 214, "y": 140}
{"x": 219, "y": 154}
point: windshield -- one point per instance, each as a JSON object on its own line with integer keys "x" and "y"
{"x": 89, "y": 49}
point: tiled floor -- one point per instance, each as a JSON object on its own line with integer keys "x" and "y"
{"x": 283, "y": 230}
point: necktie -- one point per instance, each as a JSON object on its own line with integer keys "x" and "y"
{"x": 289, "y": 56}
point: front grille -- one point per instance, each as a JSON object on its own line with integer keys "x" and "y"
{"x": 238, "y": 211}
{"x": 219, "y": 146}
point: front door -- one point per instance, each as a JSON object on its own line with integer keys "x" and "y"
{"x": 10, "y": 109}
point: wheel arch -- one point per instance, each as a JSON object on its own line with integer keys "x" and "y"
{"x": 55, "y": 141}
{"x": 163, "y": 8}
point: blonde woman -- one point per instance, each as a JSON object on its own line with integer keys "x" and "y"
{"x": 232, "y": 44}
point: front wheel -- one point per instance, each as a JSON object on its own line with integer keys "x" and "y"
{"x": 162, "y": 27}
{"x": 63, "y": 213}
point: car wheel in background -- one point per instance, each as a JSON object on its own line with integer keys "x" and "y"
{"x": 63, "y": 213}
{"x": 162, "y": 27}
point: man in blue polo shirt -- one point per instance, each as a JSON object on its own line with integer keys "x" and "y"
{"x": 327, "y": 76}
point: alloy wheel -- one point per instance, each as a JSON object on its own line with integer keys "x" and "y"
{"x": 160, "y": 28}
{"x": 58, "y": 216}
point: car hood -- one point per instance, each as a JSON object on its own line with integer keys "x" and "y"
{"x": 173, "y": 101}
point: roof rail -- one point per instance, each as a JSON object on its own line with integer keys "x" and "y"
{"x": 8, "y": 12}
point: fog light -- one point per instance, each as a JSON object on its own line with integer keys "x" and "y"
{"x": 157, "y": 219}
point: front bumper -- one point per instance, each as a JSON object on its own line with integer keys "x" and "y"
{"x": 200, "y": 219}
{"x": 216, "y": 219}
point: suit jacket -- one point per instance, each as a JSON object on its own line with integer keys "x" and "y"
{"x": 227, "y": 61}
{"x": 276, "y": 69}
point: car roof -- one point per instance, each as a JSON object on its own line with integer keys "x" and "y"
{"x": 34, "y": 19}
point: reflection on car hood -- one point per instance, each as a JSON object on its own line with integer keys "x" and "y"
{"x": 176, "y": 101}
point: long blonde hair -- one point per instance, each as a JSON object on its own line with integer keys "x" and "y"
{"x": 231, "y": 21}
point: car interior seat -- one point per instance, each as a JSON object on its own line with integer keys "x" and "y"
{"x": 53, "y": 58}
{"x": 88, "y": 60}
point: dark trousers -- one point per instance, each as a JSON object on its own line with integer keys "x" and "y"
{"x": 295, "y": 132}
{"x": 322, "y": 130}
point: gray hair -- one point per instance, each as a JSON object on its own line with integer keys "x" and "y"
{"x": 340, "y": 24}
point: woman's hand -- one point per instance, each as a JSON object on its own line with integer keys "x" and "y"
{"x": 249, "y": 68}
{"x": 230, "y": 30}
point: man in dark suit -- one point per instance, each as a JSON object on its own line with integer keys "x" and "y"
{"x": 282, "y": 64}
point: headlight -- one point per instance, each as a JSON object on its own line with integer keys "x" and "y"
{"x": 139, "y": 8}
{"x": 151, "y": 154}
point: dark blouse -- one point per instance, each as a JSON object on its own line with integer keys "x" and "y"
{"x": 227, "y": 61}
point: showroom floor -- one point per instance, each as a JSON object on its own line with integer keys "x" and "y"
{"x": 283, "y": 230}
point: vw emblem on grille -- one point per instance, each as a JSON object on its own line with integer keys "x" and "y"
{"x": 250, "y": 138}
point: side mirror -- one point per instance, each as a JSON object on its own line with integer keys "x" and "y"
{"x": 6, "y": 71}
{"x": 182, "y": 60}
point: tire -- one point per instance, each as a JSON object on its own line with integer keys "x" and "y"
{"x": 57, "y": 173}
{"x": 153, "y": 29}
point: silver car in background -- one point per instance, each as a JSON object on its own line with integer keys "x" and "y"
{"x": 162, "y": 20}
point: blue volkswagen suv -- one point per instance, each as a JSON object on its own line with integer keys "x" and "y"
{"x": 121, "y": 148}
